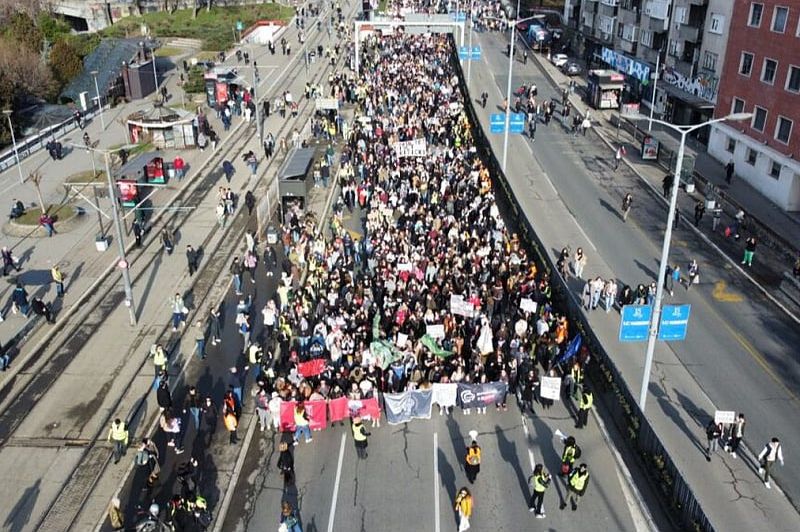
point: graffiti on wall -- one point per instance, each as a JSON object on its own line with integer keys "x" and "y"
{"x": 703, "y": 85}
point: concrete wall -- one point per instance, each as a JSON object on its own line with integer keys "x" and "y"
{"x": 783, "y": 190}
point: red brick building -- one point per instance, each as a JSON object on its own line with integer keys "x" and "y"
{"x": 762, "y": 76}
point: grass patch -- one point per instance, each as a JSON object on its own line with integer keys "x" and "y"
{"x": 214, "y": 28}
{"x": 195, "y": 82}
{"x": 58, "y": 212}
{"x": 382, "y": 6}
{"x": 207, "y": 55}
{"x": 170, "y": 51}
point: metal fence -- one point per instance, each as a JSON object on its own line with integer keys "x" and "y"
{"x": 675, "y": 494}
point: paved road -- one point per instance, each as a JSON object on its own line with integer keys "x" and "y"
{"x": 740, "y": 351}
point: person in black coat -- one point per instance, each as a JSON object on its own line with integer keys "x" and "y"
{"x": 163, "y": 395}
{"x": 286, "y": 463}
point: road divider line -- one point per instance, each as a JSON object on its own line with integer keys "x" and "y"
{"x": 436, "y": 525}
{"x": 332, "y": 516}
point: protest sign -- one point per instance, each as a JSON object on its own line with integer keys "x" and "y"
{"x": 435, "y": 330}
{"x": 316, "y": 411}
{"x": 403, "y": 407}
{"x": 528, "y": 305}
{"x": 411, "y": 148}
{"x": 725, "y": 417}
{"x": 480, "y": 395}
{"x": 460, "y": 307}
{"x": 550, "y": 388}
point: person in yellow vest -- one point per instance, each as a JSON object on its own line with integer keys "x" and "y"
{"x": 118, "y": 433}
{"x": 575, "y": 379}
{"x": 472, "y": 460}
{"x": 584, "y": 405}
{"x": 301, "y": 424}
{"x": 539, "y": 482}
{"x": 231, "y": 423}
{"x": 576, "y": 487}
{"x": 360, "y": 437}
{"x": 463, "y": 507}
{"x": 159, "y": 358}
{"x": 570, "y": 454}
{"x": 58, "y": 280}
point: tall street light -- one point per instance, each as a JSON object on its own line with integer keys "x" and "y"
{"x": 471, "y": 21}
{"x": 99, "y": 101}
{"x": 8, "y": 113}
{"x": 655, "y": 319}
{"x": 510, "y": 74}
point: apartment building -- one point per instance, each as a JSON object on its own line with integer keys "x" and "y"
{"x": 684, "y": 40}
{"x": 762, "y": 76}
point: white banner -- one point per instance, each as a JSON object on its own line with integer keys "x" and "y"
{"x": 550, "y": 388}
{"x": 461, "y": 307}
{"x": 411, "y": 148}
{"x": 725, "y": 417}
{"x": 435, "y": 330}
{"x": 401, "y": 340}
{"x": 528, "y": 305}
{"x": 444, "y": 394}
{"x": 404, "y": 267}
{"x": 326, "y": 103}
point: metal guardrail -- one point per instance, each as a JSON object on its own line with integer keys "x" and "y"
{"x": 33, "y": 143}
{"x": 675, "y": 493}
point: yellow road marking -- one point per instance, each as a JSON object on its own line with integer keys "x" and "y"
{"x": 721, "y": 293}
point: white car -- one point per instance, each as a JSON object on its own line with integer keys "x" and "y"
{"x": 559, "y": 60}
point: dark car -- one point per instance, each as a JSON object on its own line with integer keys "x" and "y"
{"x": 571, "y": 68}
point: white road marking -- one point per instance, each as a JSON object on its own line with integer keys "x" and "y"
{"x": 436, "y": 526}
{"x": 336, "y": 485}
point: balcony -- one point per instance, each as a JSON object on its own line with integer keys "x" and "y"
{"x": 606, "y": 24}
{"x": 610, "y": 3}
{"x": 657, "y": 24}
{"x": 657, "y": 9}
{"x": 627, "y": 46}
{"x": 587, "y": 21}
{"x": 689, "y": 33}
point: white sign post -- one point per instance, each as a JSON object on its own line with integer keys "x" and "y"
{"x": 550, "y": 388}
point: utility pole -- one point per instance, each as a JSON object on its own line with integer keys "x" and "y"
{"x": 123, "y": 263}
{"x": 256, "y": 79}
{"x": 99, "y": 101}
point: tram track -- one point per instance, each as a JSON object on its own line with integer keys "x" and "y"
{"x": 53, "y": 356}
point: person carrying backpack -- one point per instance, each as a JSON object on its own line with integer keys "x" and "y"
{"x": 472, "y": 461}
{"x": 571, "y": 453}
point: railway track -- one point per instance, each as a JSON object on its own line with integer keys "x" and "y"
{"x": 51, "y": 358}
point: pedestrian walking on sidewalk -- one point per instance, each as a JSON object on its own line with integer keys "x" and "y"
{"x": 200, "y": 339}
{"x": 576, "y": 486}
{"x": 538, "y": 482}
{"x": 19, "y": 300}
{"x": 729, "y": 171}
{"x": 463, "y": 507}
{"x": 137, "y": 232}
{"x": 699, "y": 211}
{"x": 58, "y": 279}
{"x": 525, "y": 57}
{"x": 618, "y": 155}
{"x": 694, "y": 274}
{"x": 627, "y": 201}
{"x": 9, "y": 261}
{"x": 737, "y": 433}
{"x": 179, "y": 311}
{"x": 228, "y": 170}
{"x": 166, "y": 240}
{"x": 236, "y": 271}
{"x": 749, "y": 250}
{"x": 148, "y": 456}
{"x": 666, "y": 185}
{"x": 250, "y": 202}
{"x": 359, "y": 438}
{"x": 472, "y": 461}
{"x": 772, "y": 451}
{"x": 484, "y": 97}
{"x": 713, "y": 433}
{"x": 571, "y": 453}
{"x": 118, "y": 433}
{"x": 579, "y": 263}
{"x": 191, "y": 259}
{"x": 290, "y": 522}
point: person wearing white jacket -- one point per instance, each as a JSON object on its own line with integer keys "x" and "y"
{"x": 772, "y": 451}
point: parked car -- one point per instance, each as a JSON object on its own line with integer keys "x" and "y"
{"x": 559, "y": 60}
{"x": 571, "y": 68}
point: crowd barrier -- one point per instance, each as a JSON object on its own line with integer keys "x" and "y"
{"x": 676, "y": 495}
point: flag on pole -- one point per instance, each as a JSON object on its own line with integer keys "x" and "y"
{"x": 434, "y": 347}
{"x": 571, "y": 350}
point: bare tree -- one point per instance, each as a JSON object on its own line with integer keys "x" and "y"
{"x": 35, "y": 179}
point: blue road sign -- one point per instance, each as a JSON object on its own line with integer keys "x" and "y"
{"x": 463, "y": 53}
{"x": 461, "y": 16}
{"x": 516, "y": 123}
{"x": 635, "y": 323}
{"x": 497, "y": 123}
{"x": 475, "y": 53}
{"x": 674, "y": 322}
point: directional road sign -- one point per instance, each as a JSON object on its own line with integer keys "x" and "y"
{"x": 635, "y": 323}
{"x": 497, "y": 123}
{"x": 465, "y": 53}
{"x": 516, "y": 123}
{"x": 461, "y": 16}
{"x": 674, "y": 322}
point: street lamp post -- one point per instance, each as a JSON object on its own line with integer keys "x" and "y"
{"x": 153, "y": 59}
{"x": 510, "y": 73}
{"x": 469, "y": 46}
{"x": 8, "y": 113}
{"x": 256, "y": 79}
{"x": 655, "y": 319}
{"x": 655, "y": 88}
{"x": 99, "y": 101}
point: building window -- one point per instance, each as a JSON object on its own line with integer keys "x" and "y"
{"x": 717, "y": 23}
{"x": 751, "y": 156}
{"x": 783, "y": 129}
{"x": 775, "y": 169}
{"x": 756, "y": 11}
{"x": 779, "y": 18}
{"x": 737, "y": 106}
{"x": 647, "y": 38}
{"x": 674, "y": 49}
{"x": 768, "y": 71}
{"x": 710, "y": 61}
{"x": 680, "y": 14}
{"x": 746, "y": 64}
{"x": 793, "y": 79}
{"x": 759, "y": 118}
{"x": 731, "y": 145}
